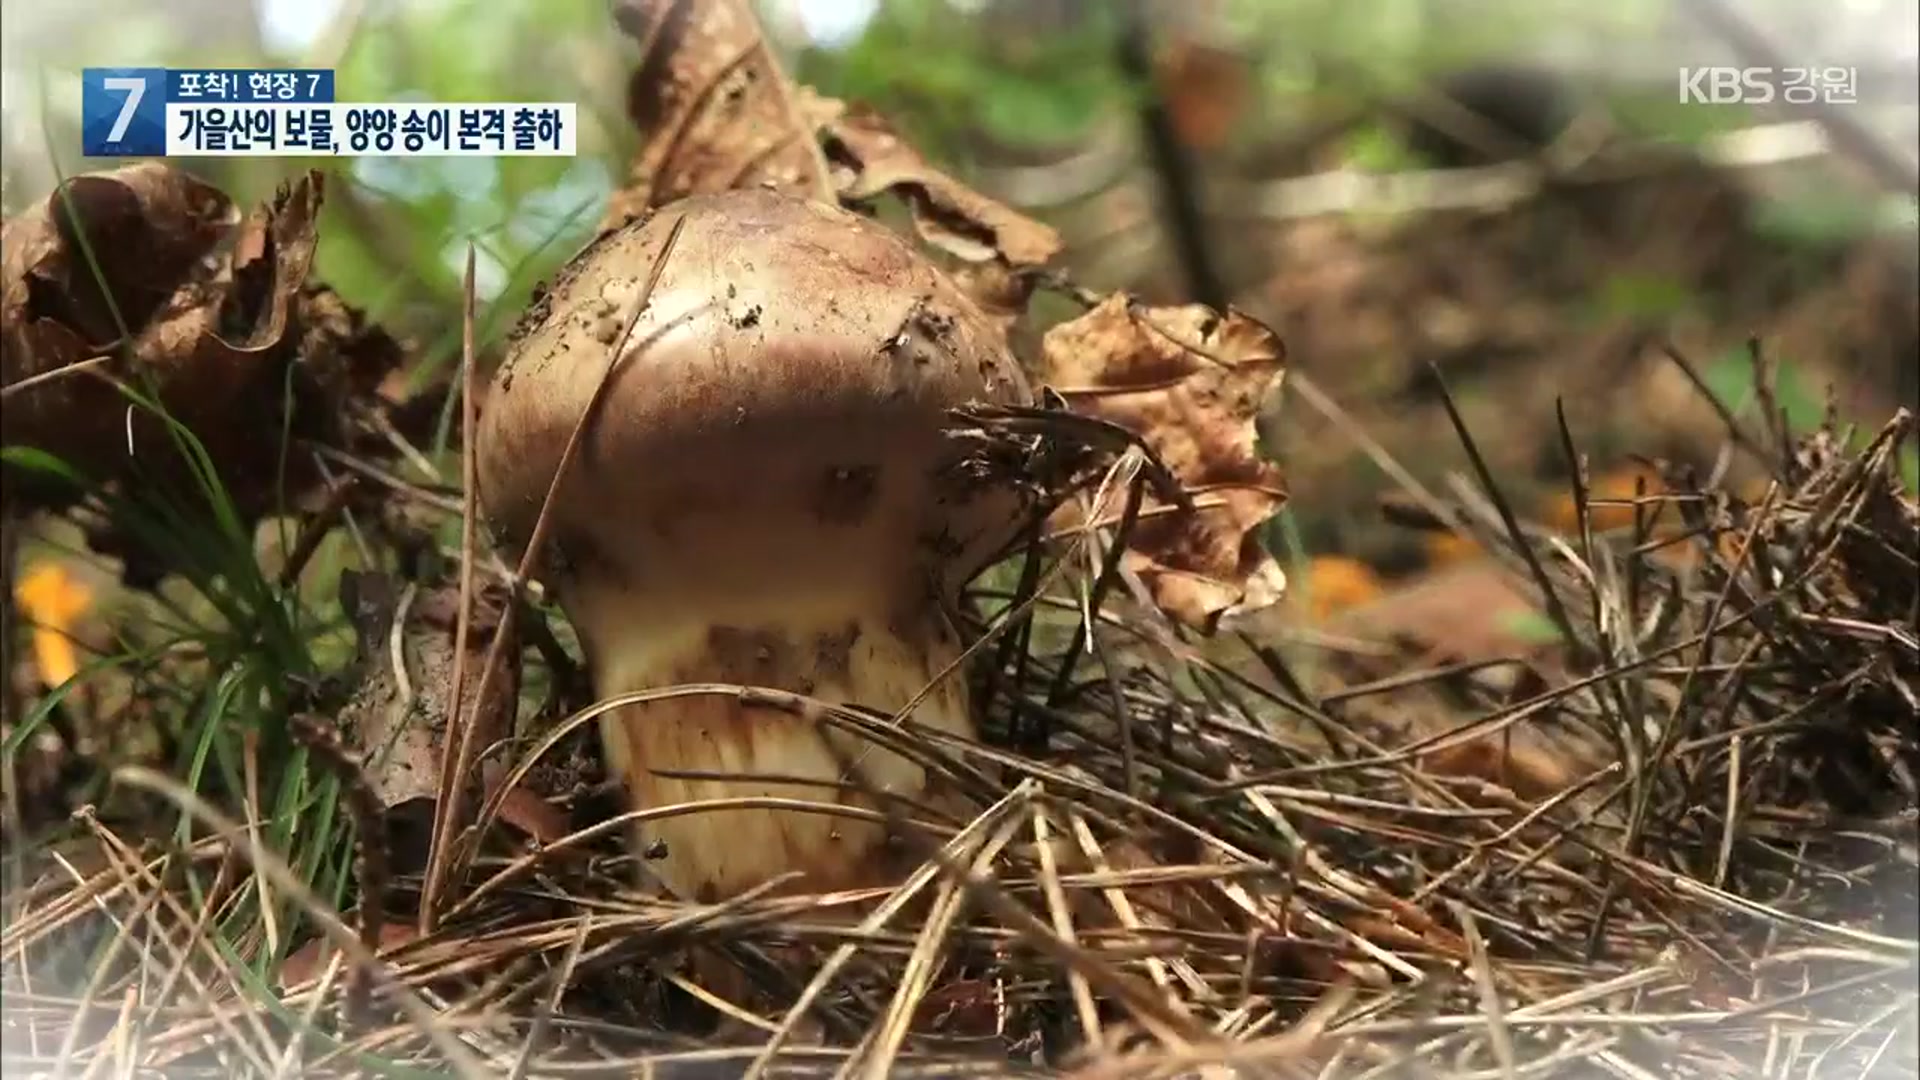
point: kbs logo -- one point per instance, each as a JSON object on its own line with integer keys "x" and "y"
{"x": 1726, "y": 86}
{"x": 1765, "y": 85}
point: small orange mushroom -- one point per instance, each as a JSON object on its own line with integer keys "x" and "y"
{"x": 1336, "y": 583}
{"x": 54, "y": 599}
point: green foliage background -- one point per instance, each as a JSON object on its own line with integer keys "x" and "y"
{"x": 956, "y": 81}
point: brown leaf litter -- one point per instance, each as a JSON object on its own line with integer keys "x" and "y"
{"x": 216, "y": 320}
{"x": 869, "y": 159}
{"x": 715, "y": 112}
{"x": 398, "y": 716}
{"x": 712, "y": 107}
{"x": 1190, "y": 383}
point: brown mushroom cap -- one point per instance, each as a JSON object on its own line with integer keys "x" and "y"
{"x": 792, "y": 369}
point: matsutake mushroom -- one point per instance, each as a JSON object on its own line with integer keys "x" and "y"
{"x": 770, "y": 494}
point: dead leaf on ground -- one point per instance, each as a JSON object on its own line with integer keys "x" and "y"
{"x": 148, "y": 225}
{"x": 306, "y": 963}
{"x": 1528, "y": 765}
{"x": 869, "y": 159}
{"x": 220, "y": 325}
{"x": 398, "y": 719}
{"x": 1189, "y": 382}
{"x": 713, "y": 108}
{"x": 1467, "y": 613}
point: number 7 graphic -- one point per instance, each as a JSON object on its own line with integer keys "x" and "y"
{"x": 123, "y": 112}
{"x": 135, "y": 90}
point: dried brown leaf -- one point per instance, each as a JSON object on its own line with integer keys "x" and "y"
{"x": 713, "y": 108}
{"x": 208, "y": 333}
{"x": 149, "y": 225}
{"x": 1532, "y": 772}
{"x": 214, "y": 313}
{"x": 1189, "y": 382}
{"x": 532, "y": 814}
{"x": 305, "y": 964}
{"x": 715, "y": 112}
{"x": 868, "y": 159}
{"x": 1465, "y": 613}
{"x": 398, "y": 717}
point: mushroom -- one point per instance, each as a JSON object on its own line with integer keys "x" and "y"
{"x": 769, "y": 495}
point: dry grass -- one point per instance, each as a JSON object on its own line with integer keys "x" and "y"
{"x": 1173, "y": 865}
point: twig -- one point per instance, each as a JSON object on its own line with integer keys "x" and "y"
{"x": 562, "y": 979}
{"x": 457, "y": 748}
{"x": 314, "y": 530}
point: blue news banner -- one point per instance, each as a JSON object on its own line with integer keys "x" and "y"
{"x": 250, "y": 112}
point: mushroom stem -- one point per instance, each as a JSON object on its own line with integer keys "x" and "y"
{"x": 874, "y": 652}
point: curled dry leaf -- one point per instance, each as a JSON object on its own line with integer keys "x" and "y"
{"x": 716, "y": 112}
{"x": 868, "y": 158}
{"x": 1190, "y": 383}
{"x": 142, "y": 274}
{"x": 398, "y": 717}
{"x": 149, "y": 226}
{"x": 713, "y": 108}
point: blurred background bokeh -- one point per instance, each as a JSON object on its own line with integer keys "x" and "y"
{"x": 1305, "y": 160}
